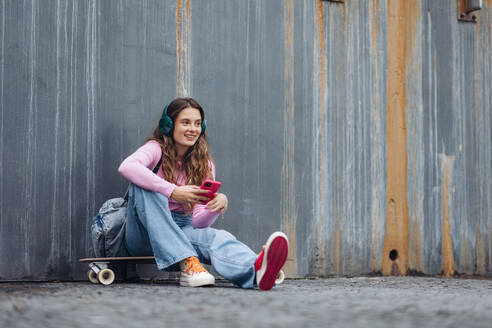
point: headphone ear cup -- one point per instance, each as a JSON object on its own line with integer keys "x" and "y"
{"x": 166, "y": 125}
{"x": 204, "y": 127}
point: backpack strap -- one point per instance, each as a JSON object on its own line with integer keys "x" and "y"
{"x": 155, "y": 170}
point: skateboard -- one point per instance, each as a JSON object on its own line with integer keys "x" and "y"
{"x": 99, "y": 271}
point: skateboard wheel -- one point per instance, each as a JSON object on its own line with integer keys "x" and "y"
{"x": 92, "y": 277}
{"x": 280, "y": 277}
{"x": 106, "y": 276}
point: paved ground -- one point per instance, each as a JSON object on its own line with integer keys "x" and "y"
{"x": 338, "y": 302}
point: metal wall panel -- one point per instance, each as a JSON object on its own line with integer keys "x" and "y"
{"x": 358, "y": 127}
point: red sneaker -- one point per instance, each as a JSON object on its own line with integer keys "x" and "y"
{"x": 271, "y": 259}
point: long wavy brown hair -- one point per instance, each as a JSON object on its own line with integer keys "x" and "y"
{"x": 196, "y": 160}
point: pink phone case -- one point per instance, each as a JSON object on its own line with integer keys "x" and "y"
{"x": 212, "y": 187}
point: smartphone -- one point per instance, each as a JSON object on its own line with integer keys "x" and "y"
{"x": 212, "y": 187}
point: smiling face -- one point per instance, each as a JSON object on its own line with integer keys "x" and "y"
{"x": 187, "y": 128}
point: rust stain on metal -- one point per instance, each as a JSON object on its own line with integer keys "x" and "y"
{"x": 289, "y": 216}
{"x": 447, "y": 243}
{"x": 461, "y": 7}
{"x": 402, "y": 19}
{"x": 320, "y": 24}
{"x": 344, "y": 18}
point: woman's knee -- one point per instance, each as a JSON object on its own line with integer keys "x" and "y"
{"x": 225, "y": 234}
{"x": 138, "y": 194}
{"x": 207, "y": 235}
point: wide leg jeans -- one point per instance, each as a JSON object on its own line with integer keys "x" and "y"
{"x": 152, "y": 229}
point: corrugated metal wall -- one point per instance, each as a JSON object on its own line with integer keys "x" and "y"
{"x": 357, "y": 128}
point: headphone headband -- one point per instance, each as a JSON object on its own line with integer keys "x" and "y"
{"x": 166, "y": 124}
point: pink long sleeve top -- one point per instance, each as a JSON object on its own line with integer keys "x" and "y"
{"x": 138, "y": 169}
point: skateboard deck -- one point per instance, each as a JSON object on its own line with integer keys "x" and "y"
{"x": 99, "y": 271}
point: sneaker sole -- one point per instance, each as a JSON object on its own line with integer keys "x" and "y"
{"x": 200, "y": 283}
{"x": 276, "y": 250}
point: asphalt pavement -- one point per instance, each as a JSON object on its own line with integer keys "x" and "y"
{"x": 335, "y": 302}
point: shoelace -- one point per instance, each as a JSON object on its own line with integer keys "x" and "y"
{"x": 192, "y": 263}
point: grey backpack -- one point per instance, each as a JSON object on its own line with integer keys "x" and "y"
{"x": 108, "y": 227}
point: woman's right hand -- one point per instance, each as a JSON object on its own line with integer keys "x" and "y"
{"x": 189, "y": 194}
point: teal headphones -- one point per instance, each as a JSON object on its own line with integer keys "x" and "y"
{"x": 166, "y": 124}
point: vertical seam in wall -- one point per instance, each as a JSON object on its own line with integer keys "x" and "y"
{"x": 487, "y": 43}
{"x": 376, "y": 216}
{"x": 2, "y": 65}
{"x": 91, "y": 47}
{"x": 187, "y": 50}
{"x": 447, "y": 243}
{"x": 414, "y": 142}
{"x": 68, "y": 230}
{"x": 73, "y": 88}
{"x": 54, "y": 239}
{"x": 183, "y": 48}
{"x": 30, "y": 203}
{"x": 289, "y": 217}
{"x": 487, "y": 17}
{"x": 343, "y": 142}
{"x": 479, "y": 104}
{"x": 66, "y": 178}
{"x": 179, "y": 13}
{"x": 320, "y": 22}
{"x": 478, "y": 176}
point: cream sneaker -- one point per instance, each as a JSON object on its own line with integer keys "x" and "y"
{"x": 193, "y": 274}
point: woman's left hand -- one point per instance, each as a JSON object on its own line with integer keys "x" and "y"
{"x": 218, "y": 203}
